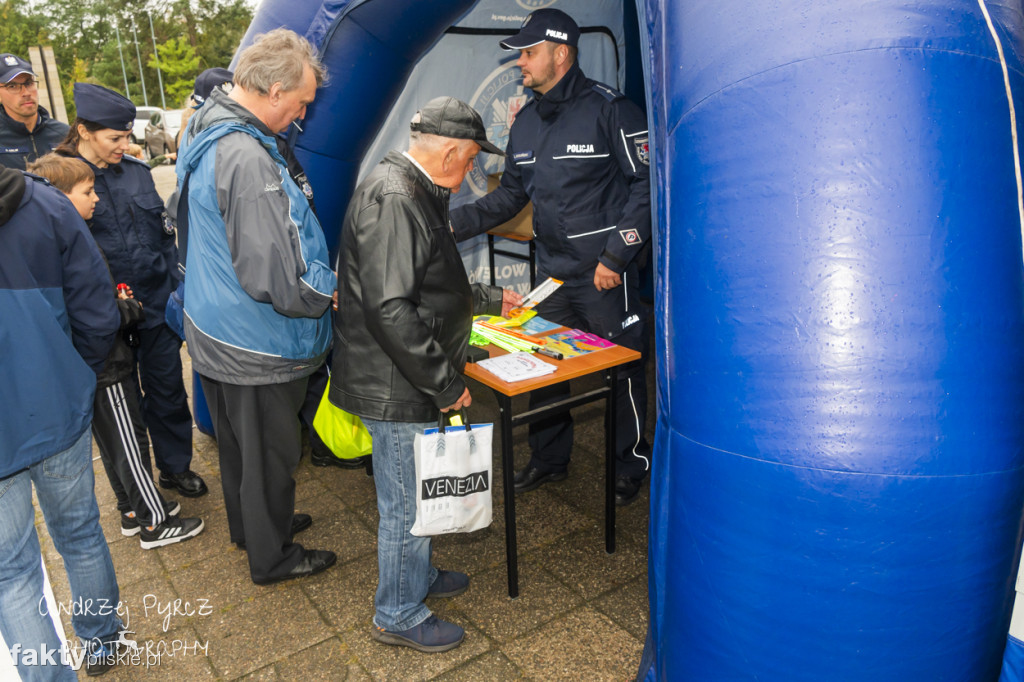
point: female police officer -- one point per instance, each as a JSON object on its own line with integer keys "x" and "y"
{"x": 131, "y": 228}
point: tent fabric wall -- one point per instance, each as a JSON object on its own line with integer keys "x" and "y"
{"x": 837, "y": 487}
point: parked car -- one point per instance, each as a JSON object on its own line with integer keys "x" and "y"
{"x": 142, "y": 115}
{"x": 159, "y": 140}
{"x": 172, "y": 119}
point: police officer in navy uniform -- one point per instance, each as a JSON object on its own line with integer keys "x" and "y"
{"x": 26, "y": 129}
{"x": 578, "y": 150}
{"x": 138, "y": 239}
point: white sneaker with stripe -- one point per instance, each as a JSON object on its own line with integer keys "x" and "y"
{"x": 169, "y": 532}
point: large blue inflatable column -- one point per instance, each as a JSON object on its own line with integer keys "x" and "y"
{"x": 837, "y": 489}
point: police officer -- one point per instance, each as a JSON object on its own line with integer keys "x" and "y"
{"x": 131, "y": 227}
{"x": 26, "y": 129}
{"x": 579, "y": 151}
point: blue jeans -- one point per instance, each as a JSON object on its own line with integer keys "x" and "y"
{"x": 403, "y": 560}
{"x": 64, "y": 486}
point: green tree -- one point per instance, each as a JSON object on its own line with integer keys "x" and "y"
{"x": 180, "y": 65}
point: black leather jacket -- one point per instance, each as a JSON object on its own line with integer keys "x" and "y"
{"x": 405, "y": 304}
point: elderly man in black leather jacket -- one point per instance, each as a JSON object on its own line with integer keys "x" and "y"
{"x": 404, "y": 313}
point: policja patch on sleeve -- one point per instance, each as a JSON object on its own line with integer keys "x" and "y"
{"x": 643, "y": 150}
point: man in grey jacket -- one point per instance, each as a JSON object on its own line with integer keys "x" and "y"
{"x": 407, "y": 304}
{"x": 257, "y": 295}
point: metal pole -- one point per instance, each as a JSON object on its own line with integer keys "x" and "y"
{"x": 159, "y": 76}
{"x": 138, "y": 55}
{"x": 120, "y": 53}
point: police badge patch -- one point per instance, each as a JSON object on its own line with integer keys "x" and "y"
{"x": 643, "y": 150}
{"x": 630, "y": 236}
{"x": 167, "y": 223}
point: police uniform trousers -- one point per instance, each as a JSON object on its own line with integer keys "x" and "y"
{"x": 124, "y": 450}
{"x": 163, "y": 398}
{"x": 618, "y": 316}
{"x": 259, "y": 443}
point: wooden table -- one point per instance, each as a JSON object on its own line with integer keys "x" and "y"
{"x": 607, "y": 360}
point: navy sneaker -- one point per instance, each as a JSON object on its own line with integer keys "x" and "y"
{"x": 101, "y": 658}
{"x": 431, "y": 636}
{"x": 448, "y": 584}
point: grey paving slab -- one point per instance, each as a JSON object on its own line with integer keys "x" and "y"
{"x": 583, "y": 645}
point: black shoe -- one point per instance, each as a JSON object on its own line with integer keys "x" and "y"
{"x": 169, "y": 532}
{"x": 532, "y": 478}
{"x": 322, "y": 457}
{"x": 313, "y": 562}
{"x": 300, "y": 522}
{"x": 187, "y": 483}
{"x": 627, "y": 489}
{"x": 130, "y": 522}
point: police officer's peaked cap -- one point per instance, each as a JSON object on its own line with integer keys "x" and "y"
{"x": 450, "y": 117}
{"x": 109, "y": 109}
{"x": 12, "y": 66}
{"x": 549, "y": 24}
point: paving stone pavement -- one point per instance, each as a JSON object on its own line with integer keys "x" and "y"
{"x": 581, "y": 614}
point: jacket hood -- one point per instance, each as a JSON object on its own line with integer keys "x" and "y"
{"x": 12, "y": 189}
{"x": 220, "y": 116}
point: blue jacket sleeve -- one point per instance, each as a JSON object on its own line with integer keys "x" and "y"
{"x": 92, "y": 310}
{"x": 499, "y": 206}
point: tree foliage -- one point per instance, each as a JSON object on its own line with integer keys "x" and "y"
{"x": 179, "y": 64}
{"x": 190, "y": 35}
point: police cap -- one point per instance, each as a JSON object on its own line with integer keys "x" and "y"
{"x": 110, "y": 109}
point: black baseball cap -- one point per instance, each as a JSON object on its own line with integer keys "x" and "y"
{"x": 107, "y": 108}
{"x": 450, "y": 117}
{"x": 12, "y": 66}
{"x": 207, "y": 81}
{"x": 544, "y": 24}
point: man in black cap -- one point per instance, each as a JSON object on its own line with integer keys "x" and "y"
{"x": 26, "y": 129}
{"x": 578, "y": 151}
{"x": 405, "y": 309}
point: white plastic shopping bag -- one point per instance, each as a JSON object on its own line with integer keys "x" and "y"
{"x": 453, "y": 479}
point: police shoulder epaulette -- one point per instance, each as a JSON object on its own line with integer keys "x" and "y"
{"x": 129, "y": 157}
{"x": 610, "y": 94}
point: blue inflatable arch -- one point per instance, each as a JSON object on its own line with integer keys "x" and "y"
{"x": 837, "y": 492}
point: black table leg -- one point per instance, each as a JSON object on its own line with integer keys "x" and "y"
{"x": 609, "y": 462}
{"x": 508, "y": 473}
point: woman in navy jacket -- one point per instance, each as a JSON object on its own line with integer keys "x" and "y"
{"x": 131, "y": 227}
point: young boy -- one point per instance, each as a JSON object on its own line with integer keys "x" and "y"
{"x": 117, "y": 420}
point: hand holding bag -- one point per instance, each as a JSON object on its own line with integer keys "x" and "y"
{"x": 453, "y": 478}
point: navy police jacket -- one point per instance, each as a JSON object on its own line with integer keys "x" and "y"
{"x": 19, "y": 146}
{"x": 580, "y": 153}
{"x": 57, "y": 321}
{"x": 131, "y": 227}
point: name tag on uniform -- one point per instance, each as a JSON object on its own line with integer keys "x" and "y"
{"x": 14, "y": 150}
{"x": 523, "y": 157}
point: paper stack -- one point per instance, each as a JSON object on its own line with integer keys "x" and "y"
{"x": 517, "y": 367}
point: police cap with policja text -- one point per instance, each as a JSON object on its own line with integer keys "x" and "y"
{"x": 544, "y": 24}
{"x": 109, "y": 109}
{"x": 450, "y": 117}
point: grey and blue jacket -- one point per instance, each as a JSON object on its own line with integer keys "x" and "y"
{"x": 259, "y": 282}
{"x": 58, "y": 321}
